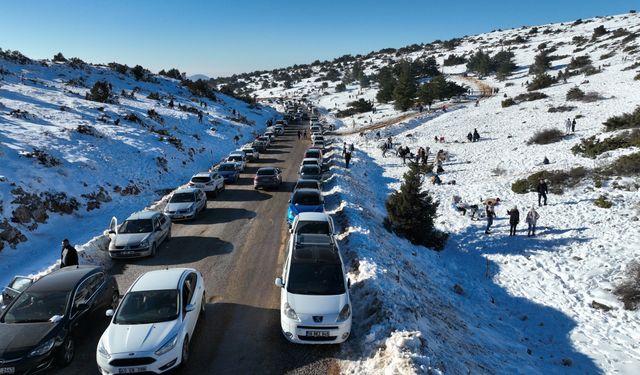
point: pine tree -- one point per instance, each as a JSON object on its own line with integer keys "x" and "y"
{"x": 387, "y": 83}
{"x": 411, "y": 212}
{"x": 503, "y": 64}
{"x": 405, "y": 90}
{"x": 357, "y": 72}
{"x": 541, "y": 63}
{"x": 100, "y": 92}
{"x": 59, "y": 57}
{"x": 480, "y": 63}
{"x": 365, "y": 81}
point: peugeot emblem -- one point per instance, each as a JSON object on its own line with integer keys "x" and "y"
{"x": 317, "y": 319}
{"x": 132, "y": 354}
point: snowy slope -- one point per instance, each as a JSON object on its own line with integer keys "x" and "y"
{"x": 526, "y": 303}
{"x": 93, "y": 152}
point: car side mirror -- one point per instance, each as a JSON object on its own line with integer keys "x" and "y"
{"x": 190, "y": 307}
{"x": 289, "y": 200}
{"x": 279, "y": 283}
{"x": 109, "y": 313}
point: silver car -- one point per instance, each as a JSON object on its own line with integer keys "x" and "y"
{"x": 139, "y": 235}
{"x": 186, "y": 204}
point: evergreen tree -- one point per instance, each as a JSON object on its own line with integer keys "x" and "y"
{"x": 365, "y": 81}
{"x": 541, "y": 63}
{"x": 59, "y": 57}
{"x": 340, "y": 87}
{"x": 480, "y": 63}
{"x": 411, "y": 212}
{"x": 138, "y": 72}
{"x": 357, "y": 72}
{"x": 404, "y": 91}
{"x": 100, "y": 92}
{"x": 387, "y": 83}
{"x": 503, "y": 64}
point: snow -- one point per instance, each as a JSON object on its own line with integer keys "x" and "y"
{"x": 116, "y": 155}
{"x": 526, "y": 302}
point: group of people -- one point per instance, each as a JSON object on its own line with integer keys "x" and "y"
{"x": 570, "y": 126}
{"x": 473, "y": 137}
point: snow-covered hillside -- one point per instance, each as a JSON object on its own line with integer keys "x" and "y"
{"x": 492, "y": 304}
{"x": 69, "y": 164}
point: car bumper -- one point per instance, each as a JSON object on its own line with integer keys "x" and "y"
{"x": 129, "y": 253}
{"x": 313, "y": 333}
{"x": 122, "y": 363}
{"x": 181, "y": 216}
{"x": 266, "y": 184}
{"x": 28, "y": 365}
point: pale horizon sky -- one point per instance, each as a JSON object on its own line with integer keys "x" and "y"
{"x": 222, "y": 38}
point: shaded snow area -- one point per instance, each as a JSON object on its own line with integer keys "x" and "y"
{"x": 98, "y": 153}
{"x": 522, "y": 305}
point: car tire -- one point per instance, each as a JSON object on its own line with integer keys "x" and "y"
{"x": 184, "y": 356}
{"x": 66, "y": 352}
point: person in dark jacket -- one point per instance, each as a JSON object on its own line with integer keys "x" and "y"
{"x": 491, "y": 213}
{"x": 542, "y": 189}
{"x": 347, "y": 158}
{"x": 514, "y": 220}
{"x": 470, "y": 137}
{"x": 476, "y": 135}
{"x": 68, "y": 255}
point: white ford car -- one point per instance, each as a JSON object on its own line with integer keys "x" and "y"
{"x": 151, "y": 328}
{"x": 315, "y": 307}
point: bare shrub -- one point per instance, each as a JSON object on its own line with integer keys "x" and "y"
{"x": 546, "y": 136}
{"x": 629, "y": 290}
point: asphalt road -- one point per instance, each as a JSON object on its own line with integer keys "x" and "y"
{"x": 238, "y": 244}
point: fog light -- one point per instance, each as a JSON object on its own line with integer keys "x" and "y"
{"x": 288, "y": 334}
{"x": 345, "y": 335}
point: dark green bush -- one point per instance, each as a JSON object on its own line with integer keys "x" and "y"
{"x": 556, "y": 180}
{"x": 541, "y": 81}
{"x": 624, "y": 121}
{"x": 592, "y": 147}
{"x": 100, "y": 92}
{"x": 546, "y": 136}
{"x": 531, "y": 96}
{"x": 629, "y": 290}
{"x": 579, "y": 62}
{"x": 561, "y": 108}
{"x": 575, "y": 93}
{"x": 628, "y": 165}
{"x": 602, "y": 202}
{"x": 508, "y": 102}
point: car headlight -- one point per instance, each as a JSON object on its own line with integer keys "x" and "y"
{"x": 192, "y": 207}
{"x": 103, "y": 351}
{"x": 345, "y": 313}
{"x": 144, "y": 243}
{"x": 43, "y": 348}
{"x": 289, "y": 312}
{"x": 168, "y": 345}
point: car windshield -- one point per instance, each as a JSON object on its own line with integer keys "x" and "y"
{"x": 235, "y": 158}
{"x": 149, "y": 306}
{"x": 182, "y": 198}
{"x": 310, "y": 184}
{"x": 227, "y": 167}
{"x": 202, "y": 179}
{"x": 316, "y": 278}
{"x": 310, "y": 162}
{"x": 32, "y": 307}
{"x": 310, "y": 169}
{"x": 136, "y": 226}
{"x": 313, "y": 227}
{"x": 266, "y": 172}
{"x": 312, "y": 154}
{"x": 306, "y": 198}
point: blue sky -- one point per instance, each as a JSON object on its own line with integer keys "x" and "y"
{"x": 225, "y": 37}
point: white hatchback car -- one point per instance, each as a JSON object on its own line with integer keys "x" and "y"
{"x": 315, "y": 307}
{"x": 209, "y": 182}
{"x": 151, "y": 329}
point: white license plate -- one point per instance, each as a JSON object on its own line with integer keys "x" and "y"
{"x": 318, "y": 333}
{"x": 131, "y": 370}
{"x": 128, "y": 252}
{"x": 7, "y": 370}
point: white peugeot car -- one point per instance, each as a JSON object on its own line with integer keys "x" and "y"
{"x": 315, "y": 307}
{"x": 151, "y": 328}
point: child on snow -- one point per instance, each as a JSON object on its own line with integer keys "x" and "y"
{"x": 532, "y": 219}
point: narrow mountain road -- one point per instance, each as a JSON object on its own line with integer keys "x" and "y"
{"x": 238, "y": 244}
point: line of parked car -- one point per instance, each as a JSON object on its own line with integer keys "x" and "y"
{"x": 315, "y": 307}
{"x": 151, "y": 326}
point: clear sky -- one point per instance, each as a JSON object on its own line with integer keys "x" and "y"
{"x": 219, "y": 38}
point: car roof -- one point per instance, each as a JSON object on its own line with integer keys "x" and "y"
{"x": 160, "y": 279}
{"x": 63, "y": 279}
{"x": 307, "y": 191}
{"x": 186, "y": 190}
{"x": 315, "y": 248}
{"x": 266, "y": 169}
{"x": 141, "y": 215}
{"x": 313, "y": 216}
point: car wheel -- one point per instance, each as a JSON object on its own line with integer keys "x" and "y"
{"x": 67, "y": 351}
{"x": 185, "y": 351}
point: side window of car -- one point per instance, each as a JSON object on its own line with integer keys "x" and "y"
{"x": 82, "y": 295}
{"x": 188, "y": 288}
{"x": 163, "y": 220}
{"x": 94, "y": 282}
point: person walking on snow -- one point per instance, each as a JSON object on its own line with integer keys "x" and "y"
{"x": 491, "y": 213}
{"x": 514, "y": 220}
{"x": 470, "y": 137}
{"x": 347, "y": 159}
{"x": 476, "y": 135}
{"x": 532, "y": 219}
{"x": 567, "y": 126}
{"x": 542, "y": 189}
{"x": 68, "y": 255}
{"x": 299, "y": 134}
{"x": 573, "y": 126}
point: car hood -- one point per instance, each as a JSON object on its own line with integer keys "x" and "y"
{"x": 20, "y": 338}
{"x": 310, "y": 176}
{"x": 306, "y": 208}
{"x": 122, "y": 338}
{"x": 316, "y": 305}
{"x": 178, "y": 206}
{"x": 124, "y": 239}
{"x": 226, "y": 173}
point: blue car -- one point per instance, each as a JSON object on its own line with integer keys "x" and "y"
{"x": 304, "y": 200}
{"x": 229, "y": 171}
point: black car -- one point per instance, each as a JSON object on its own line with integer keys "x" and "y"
{"x": 39, "y": 328}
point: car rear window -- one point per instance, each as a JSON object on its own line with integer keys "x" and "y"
{"x": 266, "y": 172}
{"x": 306, "y": 185}
{"x": 201, "y": 179}
{"x": 313, "y": 227}
{"x": 308, "y": 198}
{"x": 310, "y": 169}
{"x": 312, "y": 154}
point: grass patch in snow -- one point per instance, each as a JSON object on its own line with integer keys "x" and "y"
{"x": 546, "y": 136}
{"x": 592, "y": 147}
{"x": 603, "y": 202}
